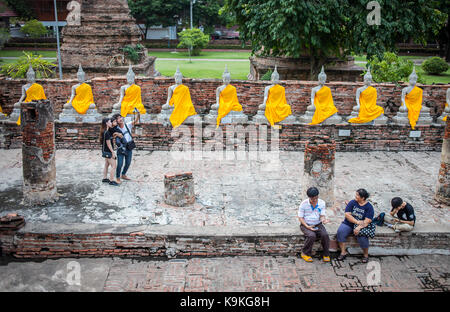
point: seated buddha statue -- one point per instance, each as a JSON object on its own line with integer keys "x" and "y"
{"x": 130, "y": 97}
{"x": 31, "y": 91}
{"x": 366, "y": 109}
{"x": 275, "y": 107}
{"x": 179, "y": 97}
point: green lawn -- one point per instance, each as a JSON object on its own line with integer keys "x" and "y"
{"x": 16, "y": 53}
{"x": 204, "y": 55}
{"x": 203, "y": 69}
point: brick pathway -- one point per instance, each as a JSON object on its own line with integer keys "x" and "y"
{"x": 286, "y": 274}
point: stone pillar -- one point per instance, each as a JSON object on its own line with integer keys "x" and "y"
{"x": 319, "y": 168}
{"x": 38, "y": 153}
{"x": 443, "y": 184}
{"x": 179, "y": 189}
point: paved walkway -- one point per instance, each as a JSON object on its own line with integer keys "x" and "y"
{"x": 232, "y": 274}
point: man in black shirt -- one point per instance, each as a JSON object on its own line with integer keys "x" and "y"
{"x": 405, "y": 220}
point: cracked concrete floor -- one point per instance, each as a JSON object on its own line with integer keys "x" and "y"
{"x": 239, "y": 192}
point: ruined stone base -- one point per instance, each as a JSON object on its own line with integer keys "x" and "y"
{"x": 179, "y": 189}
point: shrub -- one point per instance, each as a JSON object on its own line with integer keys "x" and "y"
{"x": 435, "y": 65}
{"x": 42, "y": 68}
{"x": 193, "y": 38}
{"x": 34, "y": 29}
{"x": 134, "y": 54}
{"x": 267, "y": 75}
{"x": 392, "y": 68}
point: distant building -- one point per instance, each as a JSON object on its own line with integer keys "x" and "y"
{"x": 5, "y": 14}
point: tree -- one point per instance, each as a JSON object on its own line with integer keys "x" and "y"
{"x": 22, "y": 8}
{"x": 193, "y": 39}
{"x": 330, "y": 28}
{"x": 34, "y": 29}
{"x": 169, "y": 13}
{"x": 18, "y": 69}
{"x": 156, "y": 12}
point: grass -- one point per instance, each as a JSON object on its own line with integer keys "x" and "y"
{"x": 17, "y": 53}
{"x": 204, "y": 69}
{"x": 204, "y": 55}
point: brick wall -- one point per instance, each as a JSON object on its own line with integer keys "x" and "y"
{"x": 137, "y": 244}
{"x": 292, "y": 137}
{"x": 203, "y": 93}
{"x": 157, "y": 137}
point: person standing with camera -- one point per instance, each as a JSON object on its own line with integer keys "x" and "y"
{"x": 127, "y": 154}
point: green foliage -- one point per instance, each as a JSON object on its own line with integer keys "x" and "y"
{"x": 435, "y": 66}
{"x": 42, "y": 68}
{"x": 22, "y": 8}
{"x": 4, "y": 36}
{"x": 133, "y": 53}
{"x": 267, "y": 75}
{"x": 330, "y": 28}
{"x": 392, "y": 68}
{"x": 194, "y": 38}
{"x": 34, "y": 29}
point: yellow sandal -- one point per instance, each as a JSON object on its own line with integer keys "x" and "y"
{"x": 306, "y": 258}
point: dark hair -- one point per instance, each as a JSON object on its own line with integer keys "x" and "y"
{"x": 115, "y": 116}
{"x": 103, "y": 129}
{"x": 363, "y": 193}
{"x": 396, "y": 202}
{"x": 312, "y": 192}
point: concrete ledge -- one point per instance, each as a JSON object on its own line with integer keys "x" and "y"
{"x": 49, "y": 240}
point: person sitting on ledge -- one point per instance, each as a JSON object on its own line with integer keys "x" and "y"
{"x": 358, "y": 215}
{"x": 312, "y": 217}
{"x": 406, "y": 218}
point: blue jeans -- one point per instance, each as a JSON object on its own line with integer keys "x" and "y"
{"x": 344, "y": 231}
{"x": 120, "y": 157}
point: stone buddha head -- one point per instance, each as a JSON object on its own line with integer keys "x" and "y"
{"x": 31, "y": 76}
{"x": 130, "y": 76}
{"x": 226, "y": 77}
{"x": 275, "y": 76}
{"x": 80, "y": 74}
{"x": 368, "y": 77}
{"x": 413, "y": 77}
{"x": 322, "y": 77}
{"x": 178, "y": 76}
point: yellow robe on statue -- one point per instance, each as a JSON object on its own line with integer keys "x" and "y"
{"x": 131, "y": 100}
{"x": 444, "y": 119}
{"x": 83, "y": 98}
{"x": 324, "y": 104}
{"x": 413, "y": 101}
{"x": 228, "y": 101}
{"x": 368, "y": 109}
{"x": 34, "y": 93}
{"x": 277, "y": 108}
{"x": 181, "y": 99}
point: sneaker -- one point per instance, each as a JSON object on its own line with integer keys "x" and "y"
{"x": 306, "y": 258}
{"x": 326, "y": 259}
{"x": 113, "y": 183}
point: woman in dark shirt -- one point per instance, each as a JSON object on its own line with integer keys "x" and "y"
{"x": 106, "y": 139}
{"x": 358, "y": 211}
